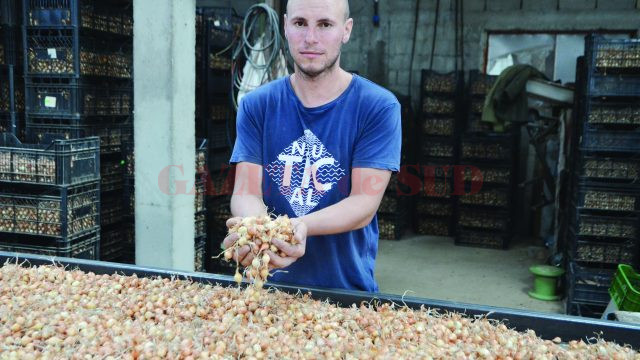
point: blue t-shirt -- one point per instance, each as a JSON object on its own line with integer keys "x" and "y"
{"x": 307, "y": 155}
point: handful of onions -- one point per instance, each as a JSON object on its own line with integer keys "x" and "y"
{"x": 257, "y": 232}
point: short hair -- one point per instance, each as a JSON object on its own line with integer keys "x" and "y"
{"x": 346, "y": 8}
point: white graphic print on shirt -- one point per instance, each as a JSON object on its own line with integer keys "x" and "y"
{"x": 305, "y": 171}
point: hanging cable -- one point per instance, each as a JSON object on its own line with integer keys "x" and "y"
{"x": 413, "y": 47}
{"x": 435, "y": 32}
{"x": 260, "y": 36}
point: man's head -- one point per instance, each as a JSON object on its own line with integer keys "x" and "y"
{"x": 316, "y": 31}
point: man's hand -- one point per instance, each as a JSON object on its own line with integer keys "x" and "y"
{"x": 243, "y": 255}
{"x": 293, "y": 252}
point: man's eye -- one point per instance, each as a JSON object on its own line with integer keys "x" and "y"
{"x": 325, "y": 25}
{"x": 299, "y": 23}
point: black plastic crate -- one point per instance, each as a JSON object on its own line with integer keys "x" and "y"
{"x": 106, "y": 17}
{"x": 481, "y": 238}
{"x": 7, "y": 125}
{"x": 613, "y": 55}
{"x": 438, "y": 126}
{"x": 61, "y": 53}
{"x": 614, "y": 86}
{"x": 434, "y": 207}
{"x": 86, "y": 246}
{"x": 476, "y": 125}
{"x": 393, "y": 204}
{"x": 222, "y": 25}
{"x": 439, "y": 105}
{"x": 114, "y": 133}
{"x": 391, "y": 227}
{"x": 489, "y": 175}
{"x": 219, "y": 112}
{"x": 584, "y": 310}
{"x": 52, "y": 53}
{"x": 433, "y": 82}
{"x": 434, "y": 147}
{"x": 218, "y": 136}
{"x": 480, "y": 84}
{"x": 111, "y": 209}
{"x": 200, "y": 196}
{"x": 11, "y": 47}
{"x": 589, "y": 285}
{"x": 50, "y": 12}
{"x": 200, "y": 224}
{"x": 219, "y": 160}
{"x": 433, "y": 226}
{"x": 60, "y": 212}
{"x": 609, "y": 114}
{"x": 10, "y": 13}
{"x": 112, "y": 244}
{"x": 602, "y": 226}
{"x": 607, "y": 198}
{"x": 491, "y": 147}
{"x": 60, "y": 162}
{"x": 77, "y": 99}
{"x": 480, "y": 218}
{"x": 200, "y": 254}
{"x": 9, "y": 95}
{"x": 111, "y": 175}
{"x": 220, "y": 182}
{"x": 497, "y": 197}
{"x": 623, "y": 141}
{"x": 611, "y": 251}
{"x": 621, "y": 170}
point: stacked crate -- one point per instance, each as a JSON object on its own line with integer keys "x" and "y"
{"x": 485, "y": 204}
{"x": 200, "y": 204}
{"x": 220, "y": 27}
{"x": 439, "y": 123}
{"x": 50, "y": 197}
{"x": 78, "y": 76}
{"x": 605, "y": 227}
{"x": 11, "y": 83}
{"x": 394, "y": 212}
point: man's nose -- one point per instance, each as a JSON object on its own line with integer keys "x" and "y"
{"x": 311, "y": 35}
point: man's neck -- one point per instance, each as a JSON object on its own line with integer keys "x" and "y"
{"x": 321, "y": 89}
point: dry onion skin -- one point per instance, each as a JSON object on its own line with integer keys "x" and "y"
{"x": 52, "y": 313}
{"x": 257, "y": 232}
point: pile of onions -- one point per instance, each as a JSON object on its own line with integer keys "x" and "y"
{"x": 48, "y": 312}
{"x": 257, "y": 233}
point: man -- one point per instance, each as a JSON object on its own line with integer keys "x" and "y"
{"x": 319, "y": 146}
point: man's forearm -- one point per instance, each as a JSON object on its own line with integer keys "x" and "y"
{"x": 247, "y": 205}
{"x": 353, "y": 212}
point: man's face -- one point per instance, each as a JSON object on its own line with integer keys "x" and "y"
{"x": 315, "y": 31}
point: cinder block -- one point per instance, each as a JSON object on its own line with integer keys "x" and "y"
{"x": 403, "y": 77}
{"x": 616, "y": 4}
{"x": 503, "y": 5}
{"x": 475, "y": 5}
{"x": 542, "y": 5}
{"x": 577, "y": 4}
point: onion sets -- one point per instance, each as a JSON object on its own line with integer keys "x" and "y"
{"x": 48, "y": 312}
{"x": 257, "y": 233}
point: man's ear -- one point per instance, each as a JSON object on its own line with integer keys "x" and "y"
{"x": 348, "y": 25}
{"x": 285, "y": 26}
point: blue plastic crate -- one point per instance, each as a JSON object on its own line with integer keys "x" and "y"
{"x": 623, "y": 141}
{"x": 614, "y": 85}
{"x": 589, "y": 285}
{"x": 613, "y": 55}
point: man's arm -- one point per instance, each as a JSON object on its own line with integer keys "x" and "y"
{"x": 246, "y": 199}
{"x": 355, "y": 211}
{"x": 352, "y": 213}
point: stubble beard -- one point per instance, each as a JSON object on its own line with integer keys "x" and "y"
{"x": 314, "y": 74}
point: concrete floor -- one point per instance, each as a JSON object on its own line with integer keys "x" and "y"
{"x": 434, "y": 268}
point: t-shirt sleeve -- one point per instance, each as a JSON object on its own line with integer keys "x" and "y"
{"x": 379, "y": 143}
{"x": 248, "y": 145}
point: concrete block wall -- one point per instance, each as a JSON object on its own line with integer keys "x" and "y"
{"x": 395, "y": 32}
